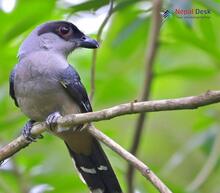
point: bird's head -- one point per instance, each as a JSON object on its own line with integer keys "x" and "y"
{"x": 59, "y": 36}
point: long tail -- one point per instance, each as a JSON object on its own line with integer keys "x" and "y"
{"x": 96, "y": 170}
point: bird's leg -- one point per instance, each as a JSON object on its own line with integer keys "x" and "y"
{"x": 51, "y": 120}
{"x": 26, "y": 132}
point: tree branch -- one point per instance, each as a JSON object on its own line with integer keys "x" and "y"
{"x": 144, "y": 169}
{"x": 150, "y": 56}
{"x": 94, "y": 55}
{"x": 191, "y": 102}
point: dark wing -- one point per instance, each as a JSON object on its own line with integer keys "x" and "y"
{"x": 11, "y": 87}
{"x": 103, "y": 180}
{"x": 70, "y": 81}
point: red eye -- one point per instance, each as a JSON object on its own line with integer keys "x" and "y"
{"x": 64, "y": 30}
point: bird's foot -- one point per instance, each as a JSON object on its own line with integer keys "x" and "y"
{"x": 51, "y": 120}
{"x": 26, "y": 132}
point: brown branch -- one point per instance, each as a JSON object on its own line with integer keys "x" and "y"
{"x": 144, "y": 169}
{"x": 94, "y": 55}
{"x": 191, "y": 102}
{"x": 150, "y": 56}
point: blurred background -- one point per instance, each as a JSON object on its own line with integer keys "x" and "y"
{"x": 181, "y": 147}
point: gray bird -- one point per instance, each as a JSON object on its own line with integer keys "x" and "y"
{"x": 44, "y": 86}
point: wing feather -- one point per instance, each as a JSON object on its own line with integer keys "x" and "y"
{"x": 11, "y": 87}
{"x": 70, "y": 80}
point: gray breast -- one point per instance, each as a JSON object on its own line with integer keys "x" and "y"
{"x": 37, "y": 87}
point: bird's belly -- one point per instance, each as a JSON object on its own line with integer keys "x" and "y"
{"x": 39, "y": 99}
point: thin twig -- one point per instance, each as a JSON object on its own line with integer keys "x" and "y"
{"x": 150, "y": 56}
{"x": 94, "y": 55}
{"x": 144, "y": 169}
{"x": 208, "y": 166}
{"x": 191, "y": 102}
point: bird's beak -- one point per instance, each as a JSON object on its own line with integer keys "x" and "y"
{"x": 87, "y": 42}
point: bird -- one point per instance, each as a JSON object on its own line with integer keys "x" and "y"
{"x": 45, "y": 87}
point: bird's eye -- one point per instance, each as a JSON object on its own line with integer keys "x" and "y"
{"x": 64, "y": 30}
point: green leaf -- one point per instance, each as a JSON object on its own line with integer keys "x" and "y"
{"x": 89, "y": 5}
{"x": 23, "y": 17}
{"x": 213, "y": 5}
{"x": 206, "y": 27}
{"x": 187, "y": 71}
{"x": 124, "y": 4}
{"x": 127, "y": 32}
{"x": 191, "y": 145}
{"x": 181, "y": 32}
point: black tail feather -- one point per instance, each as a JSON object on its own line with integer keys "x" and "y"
{"x": 96, "y": 170}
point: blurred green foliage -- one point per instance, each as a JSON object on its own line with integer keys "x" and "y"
{"x": 174, "y": 144}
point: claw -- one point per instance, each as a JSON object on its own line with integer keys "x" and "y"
{"x": 26, "y": 132}
{"x": 51, "y": 120}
